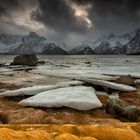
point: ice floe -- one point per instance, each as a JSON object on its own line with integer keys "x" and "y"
{"x": 71, "y": 83}
{"x": 112, "y": 85}
{"x": 74, "y": 73}
{"x": 79, "y": 98}
{"x": 29, "y": 90}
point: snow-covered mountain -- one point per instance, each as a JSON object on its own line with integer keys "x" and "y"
{"x": 9, "y": 39}
{"x": 32, "y": 43}
{"x": 133, "y": 47}
{"x": 3, "y": 47}
{"x": 111, "y": 44}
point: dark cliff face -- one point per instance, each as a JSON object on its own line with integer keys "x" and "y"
{"x": 85, "y": 51}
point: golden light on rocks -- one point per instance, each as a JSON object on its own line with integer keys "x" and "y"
{"x": 70, "y": 132}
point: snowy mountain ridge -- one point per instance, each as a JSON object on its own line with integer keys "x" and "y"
{"x": 33, "y": 43}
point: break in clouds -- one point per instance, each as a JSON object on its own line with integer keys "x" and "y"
{"x": 69, "y": 21}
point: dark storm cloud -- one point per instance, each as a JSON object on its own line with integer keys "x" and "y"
{"x": 120, "y": 7}
{"x": 58, "y": 15}
{"x": 7, "y": 6}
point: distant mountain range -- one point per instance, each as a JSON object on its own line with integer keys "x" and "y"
{"x": 27, "y": 44}
{"x": 106, "y": 45}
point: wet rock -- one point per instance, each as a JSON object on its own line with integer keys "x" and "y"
{"x": 138, "y": 81}
{"x": 108, "y": 90}
{"x": 132, "y": 98}
{"x": 2, "y": 64}
{"x": 41, "y": 62}
{"x": 103, "y": 99}
{"x": 23, "y": 116}
{"x": 25, "y": 59}
{"x": 87, "y": 62}
{"x": 121, "y": 109}
{"x": 136, "y": 128}
{"x": 126, "y": 79}
{"x": 69, "y": 116}
{"x": 7, "y": 86}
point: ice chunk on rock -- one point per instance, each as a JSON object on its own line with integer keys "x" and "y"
{"x": 29, "y": 90}
{"x": 112, "y": 85}
{"x": 79, "y": 98}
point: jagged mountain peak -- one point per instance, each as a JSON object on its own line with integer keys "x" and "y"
{"x": 31, "y": 33}
{"x": 128, "y": 43}
{"x": 33, "y": 43}
{"x": 34, "y": 36}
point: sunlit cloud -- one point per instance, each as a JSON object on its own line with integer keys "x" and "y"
{"x": 81, "y": 12}
{"x": 23, "y": 18}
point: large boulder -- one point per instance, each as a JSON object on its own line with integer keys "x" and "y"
{"x": 126, "y": 79}
{"x": 121, "y": 109}
{"x": 25, "y": 59}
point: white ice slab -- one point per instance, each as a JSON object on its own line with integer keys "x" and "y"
{"x": 74, "y": 73}
{"x": 112, "y": 85}
{"x": 118, "y": 71}
{"x": 29, "y": 90}
{"x": 71, "y": 83}
{"x": 79, "y": 98}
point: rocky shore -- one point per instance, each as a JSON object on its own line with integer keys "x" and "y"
{"x": 11, "y": 112}
{"x": 105, "y": 99}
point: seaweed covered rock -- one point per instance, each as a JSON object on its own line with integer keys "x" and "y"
{"x": 9, "y": 134}
{"x": 23, "y": 116}
{"x": 71, "y": 132}
{"x": 25, "y": 59}
{"x": 121, "y": 109}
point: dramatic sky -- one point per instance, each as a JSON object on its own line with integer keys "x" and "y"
{"x": 69, "y": 21}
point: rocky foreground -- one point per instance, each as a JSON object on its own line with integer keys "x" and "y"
{"x": 11, "y": 112}
{"x": 36, "y": 98}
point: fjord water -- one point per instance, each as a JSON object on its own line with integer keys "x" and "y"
{"x": 85, "y": 64}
